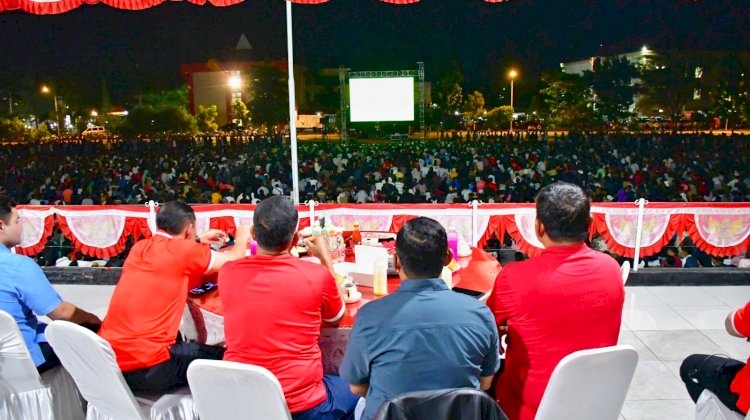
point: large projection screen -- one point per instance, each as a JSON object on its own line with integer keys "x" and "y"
{"x": 381, "y": 99}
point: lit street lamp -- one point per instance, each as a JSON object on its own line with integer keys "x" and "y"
{"x": 46, "y": 91}
{"x": 512, "y": 74}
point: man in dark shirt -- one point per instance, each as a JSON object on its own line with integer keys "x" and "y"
{"x": 424, "y": 336}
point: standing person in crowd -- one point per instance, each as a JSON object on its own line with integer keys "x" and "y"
{"x": 423, "y": 336}
{"x": 25, "y": 292}
{"x": 726, "y": 378}
{"x": 539, "y": 302}
{"x": 274, "y": 304}
{"x": 147, "y": 305}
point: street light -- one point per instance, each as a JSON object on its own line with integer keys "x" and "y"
{"x": 46, "y": 91}
{"x": 235, "y": 82}
{"x": 512, "y": 74}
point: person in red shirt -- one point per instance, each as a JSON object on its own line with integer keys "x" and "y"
{"x": 144, "y": 314}
{"x": 728, "y": 379}
{"x": 274, "y": 304}
{"x": 567, "y": 299}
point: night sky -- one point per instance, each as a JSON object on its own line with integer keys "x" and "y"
{"x": 146, "y": 47}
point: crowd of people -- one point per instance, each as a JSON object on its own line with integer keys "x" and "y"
{"x": 452, "y": 169}
{"x": 421, "y": 337}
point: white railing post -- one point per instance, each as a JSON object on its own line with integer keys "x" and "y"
{"x": 152, "y": 205}
{"x": 474, "y": 221}
{"x": 641, "y": 203}
{"x": 312, "y": 204}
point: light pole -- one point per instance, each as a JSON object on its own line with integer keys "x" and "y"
{"x": 47, "y": 90}
{"x": 512, "y": 74}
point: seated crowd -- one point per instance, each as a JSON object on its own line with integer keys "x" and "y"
{"x": 658, "y": 167}
{"x": 421, "y": 337}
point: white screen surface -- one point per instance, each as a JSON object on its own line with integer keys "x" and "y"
{"x": 381, "y": 99}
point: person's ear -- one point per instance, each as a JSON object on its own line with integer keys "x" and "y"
{"x": 396, "y": 263}
{"x": 539, "y": 229}
{"x": 252, "y": 232}
{"x": 448, "y": 257}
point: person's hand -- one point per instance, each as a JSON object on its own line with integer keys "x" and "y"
{"x": 213, "y": 237}
{"x": 243, "y": 234}
{"x": 317, "y": 246}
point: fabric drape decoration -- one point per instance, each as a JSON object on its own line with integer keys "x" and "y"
{"x": 718, "y": 229}
{"x": 53, "y": 7}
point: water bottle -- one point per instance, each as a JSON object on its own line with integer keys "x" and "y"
{"x": 453, "y": 241}
{"x": 380, "y": 277}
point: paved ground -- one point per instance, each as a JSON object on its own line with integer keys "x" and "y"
{"x": 664, "y": 324}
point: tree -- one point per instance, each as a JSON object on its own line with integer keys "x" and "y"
{"x": 13, "y": 129}
{"x": 147, "y": 120}
{"x": 568, "y": 97}
{"x": 449, "y": 93}
{"x": 241, "y": 113}
{"x": 614, "y": 84}
{"x": 668, "y": 84}
{"x": 269, "y": 102}
{"x": 206, "y": 118}
{"x": 499, "y": 118}
{"x": 473, "y": 108}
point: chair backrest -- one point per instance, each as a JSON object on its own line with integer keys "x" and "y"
{"x": 222, "y": 389}
{"x": 91, "y": 362}
{"x": 625, "y": 269}
{"x": 17, "y": 370}
{"x": 442, "y": 404}
{"x": 589, "y": 385}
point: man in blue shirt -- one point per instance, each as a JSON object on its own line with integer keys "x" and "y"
{"x": 424, "y": 336}
{"x": 25, "y": 292}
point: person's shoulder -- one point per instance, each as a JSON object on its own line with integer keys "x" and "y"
{"x": 23, "y": 263}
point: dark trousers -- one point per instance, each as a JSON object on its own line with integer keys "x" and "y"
{"x": 50, "y": 358}
{"x": 171, "y": 373}
{"x": 711, "y": 372}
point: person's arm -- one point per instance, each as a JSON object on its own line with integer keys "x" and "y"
{"x": 66, "y": 311}
{"x": 361, "y": 390}
{"x": 485, "y": 382}
{"x": 738, "y": 322}
{"x": 241, "y": 238}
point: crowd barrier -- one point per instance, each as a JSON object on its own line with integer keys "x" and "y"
{"x": 721, "y": 229}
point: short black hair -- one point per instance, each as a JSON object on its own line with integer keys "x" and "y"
{"x": 421, "y": 246}
{"x": 174, "y": 216}
{"x": 274, "y": 223}
{"x": 564, "y": 210}
{"x": 6, "y": 208}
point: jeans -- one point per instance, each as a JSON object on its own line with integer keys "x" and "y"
{"x": 339, "y": 403}
{"x": 171, "y": 373}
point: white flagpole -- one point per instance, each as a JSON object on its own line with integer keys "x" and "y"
{"x": 292, "y": 102}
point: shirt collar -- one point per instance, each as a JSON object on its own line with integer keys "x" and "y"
{"x": 565, "y": 249}
{"x": 421, "y": 285}
{"x": 4, "y": 248}
{"x": 162, "y": 233}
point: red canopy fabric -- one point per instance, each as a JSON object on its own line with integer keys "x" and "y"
{"x": 52, "y": 7}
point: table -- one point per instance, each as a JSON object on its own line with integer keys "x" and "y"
{"x": 478, "y": 272}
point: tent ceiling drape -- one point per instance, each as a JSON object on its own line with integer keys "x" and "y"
{"x": 53, "y": 7}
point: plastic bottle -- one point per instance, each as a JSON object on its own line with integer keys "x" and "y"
{"x": 453, "y": 241}
{"x": 333, "y": 245}
{"x": 356, "y": 234}
{"x": 380, "y": 277}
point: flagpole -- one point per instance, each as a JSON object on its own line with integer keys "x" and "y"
{"x": 292, "y": 103}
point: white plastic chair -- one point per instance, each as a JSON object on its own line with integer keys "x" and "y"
{"x": 91, "y": 361}
{"x": 589, "y": 385}
{"x": 625, "y": 269}
{"x": 223, "y": 389}
{"x": 23, "y": 393}
{"x": 710, "y": 407}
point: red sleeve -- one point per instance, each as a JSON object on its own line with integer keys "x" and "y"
{"x": 741, "y": 320}
{"x": 333, "y": 306}
{"x": 501, "y": 301}
{"x": 198, "y": 259}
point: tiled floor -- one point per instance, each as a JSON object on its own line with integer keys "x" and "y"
{"x": 664, "y": 324}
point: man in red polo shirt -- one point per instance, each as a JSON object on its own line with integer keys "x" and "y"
{"x": 567, "y": 299}
{"x": 727, "y": 378}
{"x": 274, "y": 304}
{"x": 146, "y": 308}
